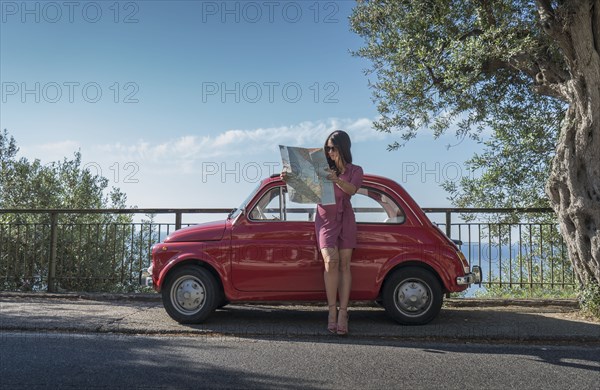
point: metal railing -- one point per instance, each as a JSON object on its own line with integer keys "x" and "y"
{"x": 81, "y": 250}
{"x": 525, "y": 250}
{"x": 105, "y": 250}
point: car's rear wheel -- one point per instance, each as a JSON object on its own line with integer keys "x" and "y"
{"x": 412, "y": 296}
{"x": 190, "y": 294}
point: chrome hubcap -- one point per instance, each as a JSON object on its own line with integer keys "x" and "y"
{"x": 413, "y": 297}
{"x": 188, "y": 295}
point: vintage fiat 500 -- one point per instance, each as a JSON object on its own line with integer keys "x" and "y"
{"x": 266, "y": 250}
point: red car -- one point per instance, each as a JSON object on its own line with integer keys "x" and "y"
{"x": 266, "y": 251}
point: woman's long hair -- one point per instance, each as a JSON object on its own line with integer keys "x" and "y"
{"x": 341, "y": 140}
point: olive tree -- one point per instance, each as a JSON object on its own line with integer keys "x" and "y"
{"x": 527, "y": 67}
{"x": 91, "y": 247}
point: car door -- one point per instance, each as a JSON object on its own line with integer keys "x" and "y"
{"x": 383, "y": 232}
{"x": 274, "y": 246}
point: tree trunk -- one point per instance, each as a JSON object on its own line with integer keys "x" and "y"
{"x": 574, "y": 190}
{"x": 574, "y": 182}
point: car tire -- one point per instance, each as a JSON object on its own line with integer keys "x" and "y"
{"x": 412, "y": 296}
{"x": 223, "y": 303}
{"x": 190, "y": 294}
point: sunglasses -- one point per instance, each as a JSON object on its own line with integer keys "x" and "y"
{"x": 330, "y": 148}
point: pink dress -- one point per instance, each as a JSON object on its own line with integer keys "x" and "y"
{"x": 335, "y": 224}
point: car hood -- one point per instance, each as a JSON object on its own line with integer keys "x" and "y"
{"x": 210, "y": 231}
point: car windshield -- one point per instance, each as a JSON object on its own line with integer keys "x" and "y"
{"x": 235, "y": 212}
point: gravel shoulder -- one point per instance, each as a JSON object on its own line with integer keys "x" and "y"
{"x": 459, "y": 321}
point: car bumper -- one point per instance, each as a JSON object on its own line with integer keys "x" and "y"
{"x": 473, "y": 277}
{"x": 146, "y": 277}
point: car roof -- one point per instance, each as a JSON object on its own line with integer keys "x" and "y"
{"x": 379, "y": 182}
{"x": 366, "y": 177}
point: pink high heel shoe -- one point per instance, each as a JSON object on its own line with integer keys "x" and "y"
{"x": 332, "y": 325}
{"x": 342, "y": 329}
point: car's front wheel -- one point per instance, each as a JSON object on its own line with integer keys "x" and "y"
{"x": 190, "y": 294}
{"x": 412, "y": 296}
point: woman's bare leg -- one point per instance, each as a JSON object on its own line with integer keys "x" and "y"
{"x": 345, "y": 284}
{"x": 331, "y": 257}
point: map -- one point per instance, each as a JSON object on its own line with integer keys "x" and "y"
{"x": 307, "y": 175}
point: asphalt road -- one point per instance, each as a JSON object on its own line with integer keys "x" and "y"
{"x": 69, "y": 341}
{"x": 58, "y": 360}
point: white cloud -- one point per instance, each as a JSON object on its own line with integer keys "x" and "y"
{"x": 181, "y": 154}
{"x": 50, "y": 152}
{"x": 187, "y": 154}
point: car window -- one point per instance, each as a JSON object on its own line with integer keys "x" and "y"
{"x": 275, "y": 205}
{"x": 269, "y": 207}
{"x": 372, "y": 206}
{"x": 299, "y": 211}
{"x": 242, "y": 206}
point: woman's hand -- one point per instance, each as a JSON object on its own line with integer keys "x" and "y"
{"x": 284, "y": 176}
{"x": 332, "y": 176}
{"x": 346, "y": 186}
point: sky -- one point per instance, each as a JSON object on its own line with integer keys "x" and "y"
{"x": 182, "y": 104}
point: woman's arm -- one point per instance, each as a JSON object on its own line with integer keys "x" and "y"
{"x": 346, "y": 186}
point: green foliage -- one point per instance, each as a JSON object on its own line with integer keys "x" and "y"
{"x": 62, "y": 184}
{"x": 450, "y": 63}
{"x": 515, "y": 163}
{"x": 589, "y": 297}
{"x": 508, "y": 292}
{"x": 469, "y": 66}
{"x": 94, "y": 250}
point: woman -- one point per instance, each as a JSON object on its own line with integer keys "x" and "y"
{"x": 336, "y": 228}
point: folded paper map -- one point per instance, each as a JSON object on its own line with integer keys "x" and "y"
{"x": 307, "y": 175}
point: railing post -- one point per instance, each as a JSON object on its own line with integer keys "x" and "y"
{"x": 448, "y": 232}
{"x": 177, "y": 220}
{"x": 53, "y": 245}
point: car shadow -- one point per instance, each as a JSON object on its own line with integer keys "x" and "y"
{"x": 468, "y": 324}
{"x": 457, "y": 329}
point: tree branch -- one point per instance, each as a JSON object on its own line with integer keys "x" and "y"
{"x": 553, "y": 90}
{"x": 553, "y": 22}
{"x": 550, "y": 72}
{"x": 545, "y": 74}
{"x": 434, "y": 79}
{"x": 545, "y": 7}
{"x": 491, "y": 66}
{"x": 522, "y": 62}
{"x": 488, "y": 14}
{"x": 473, "y": 33}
